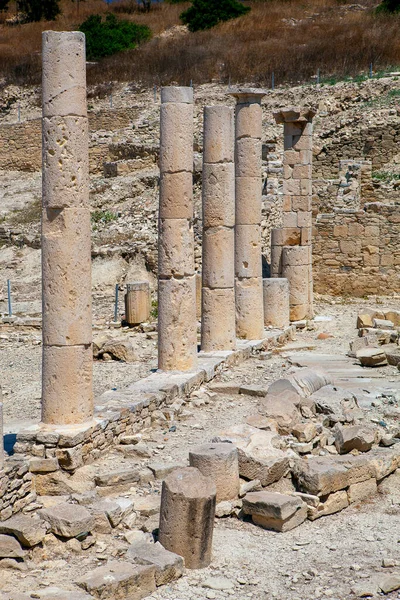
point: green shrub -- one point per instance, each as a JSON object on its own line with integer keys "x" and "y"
{"x": 36, "y": 10}
{"x": 112, "y": 35}
{"x": 204, "y": 14}
{"x": 388, "y": 6}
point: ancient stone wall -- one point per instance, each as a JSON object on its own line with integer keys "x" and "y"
{"x": 20, "y": 143}
{"x": 357, "y": 252}
{"x": 16, "y": 487}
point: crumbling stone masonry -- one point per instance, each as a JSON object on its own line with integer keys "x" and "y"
{"x": 177, "y": 323}
{"x": 248, "y": 262}
{"x": 218, "y": 326}
{"x": 291, "y": 254}
{"x": 67, "y": 395}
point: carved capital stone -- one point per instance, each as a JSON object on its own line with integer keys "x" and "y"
{"x": 295, "y": 114}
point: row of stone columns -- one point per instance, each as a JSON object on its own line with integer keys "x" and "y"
{"x": 232, "y": 291}
{"x": 291, "y": 252}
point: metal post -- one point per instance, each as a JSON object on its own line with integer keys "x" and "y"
{"x": 273, "y": 80}
{"x": 191, "y": 83}
{"x": 155, "y": 92}
{"x": 19, "y": 113}
{"x": 370, "y": 71}
{"x": 9, "y": 298}
{"x": 318, "y": 76}
{"x": 229, "y": 83}
{"x": 111, "y": 101}
{"x": 116, "y": 303}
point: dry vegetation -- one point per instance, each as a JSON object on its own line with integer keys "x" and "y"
{"x": 289, "y": 38}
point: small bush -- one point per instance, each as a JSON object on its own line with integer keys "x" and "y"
{"x": 388, "y": 6}
{"x": 204, "y": 14}
{"x": 112, "y": 35}
{"x": 103, "y": 216}
{"x": 36, "y": 10}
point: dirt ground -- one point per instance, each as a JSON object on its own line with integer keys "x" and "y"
{"x": 327, "y": 558}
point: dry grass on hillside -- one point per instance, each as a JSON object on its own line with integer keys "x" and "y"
{"x": 288, "y": 38}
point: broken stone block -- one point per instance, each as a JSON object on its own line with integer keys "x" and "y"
{"x": 161, "y": 470}
{"x": 10, "y": 547}
{"x": 120, "y": 581}
{"x": 107, "y": 514}
{"x": 308, "y": 381}
{"x": 260, "y": 422}
{"x": 220, "y": 462}
{"x": 226, "y": 387}
{"x": 339, "y": 404}
{"x": 322, "y": 475}
{"x": 253, "y": 390}
{"x": 353, "y": 438}
{"x": 358, "y": 492}
{"x": 329, "y": 505}
{"x": 309, "y": 499}
{"x": 259, "y": 458}
{"x": 366, "y": 316}
{"x": 70, "y": 459}
{"x": 305, "y": 432}
{"x": 389, "y": 583}
{"x": 271, "y": 510}
{"x": 280, "y": 409}
{"x": 28, "y": 530}
{"x": 394, "y": 316}
{"x": 147, "y": 505}
{"x": 384, "y": 461}
{"x": 187, "y": 516}
{"x": 393, "y": 356}
{"x": 43, "y": 465}
{"x": 55, "y": 593}
{"x": 224, "y": 509}
{"x": 382, "y": 324}
{"x": 249, "y": 486}
{"x": 372, "y": 357}
{"x": 168, "y": 566}
{"x": 358, "y": 344}
{"x": 68, "y": 520}
{"x": 119, "y": 476}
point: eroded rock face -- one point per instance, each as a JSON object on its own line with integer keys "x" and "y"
{"x": 28, "y": 530}
{"x": 168, "y": 565}
{"x": 372, "y": 357}
{"x": 10, "y": 547}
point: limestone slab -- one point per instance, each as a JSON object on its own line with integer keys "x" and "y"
{"x": 120, "y": 580}
{"x": 168, "y": 565}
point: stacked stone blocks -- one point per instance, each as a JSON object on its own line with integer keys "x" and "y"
{"x": 177, "y": 324}
{"x": 67, "y": 396}
{"x": 248, "y": 262}
{"x": 218, "y": 330}
{"x": 291, "y": 254}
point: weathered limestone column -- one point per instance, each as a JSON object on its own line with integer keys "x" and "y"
{"x": 218, "y": 327}
{"x": 177, "y": 323}
{"x": 67, "y": 395}
{"x": 248, "y": 191}
{"x": 1, "y": 432}
{"x": 137, "y": 302}
{"x": 297, "y": 209}
{"x": 276, "y": 302}
{"x": 220, "y": 462}
{"x": 187, "y": 516}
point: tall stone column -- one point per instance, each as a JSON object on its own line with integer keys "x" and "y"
{"x": 248, "y": 191}
{"x": 177, "y": 323}
{"x": 291, "y": 253}
{"x": 218, "y": 329}
{"x": 67, "y": 395}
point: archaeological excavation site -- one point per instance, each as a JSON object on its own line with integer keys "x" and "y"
{"x": 199, "y": 339}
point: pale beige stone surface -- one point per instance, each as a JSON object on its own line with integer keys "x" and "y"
{"x": 67, "y": 394}
{"x": 218, "y": 322}
{"x": 248, "y": 251}
{"x": 358, "y": 492}
{"x": 177, "y": 324}
{"x": 248, "y": 157}
{"x": 219, "y": 461}
{"x": 249, "y": 317}
{"x": 298, "y": 283}
{"x": 218, "y": 195}
{"x": 248, "y": 120}
{"x": 137, "y": 302}
{"x": 64, "y": 73}
{"x": 187, "y": 516}
{"x": 176, "y": 195}
{"x": 177, "y": 94}
{"x": 248, "y": 200}
{"x": 175, "y": 248}
{"x": 218, "y": 134}
{"x": 176, "y": 138}
{"x": 276, "y": 302}
{"x": 66, "y": 275}
{"x": 65, "y": 162}
{"x": 218, "y": 251}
